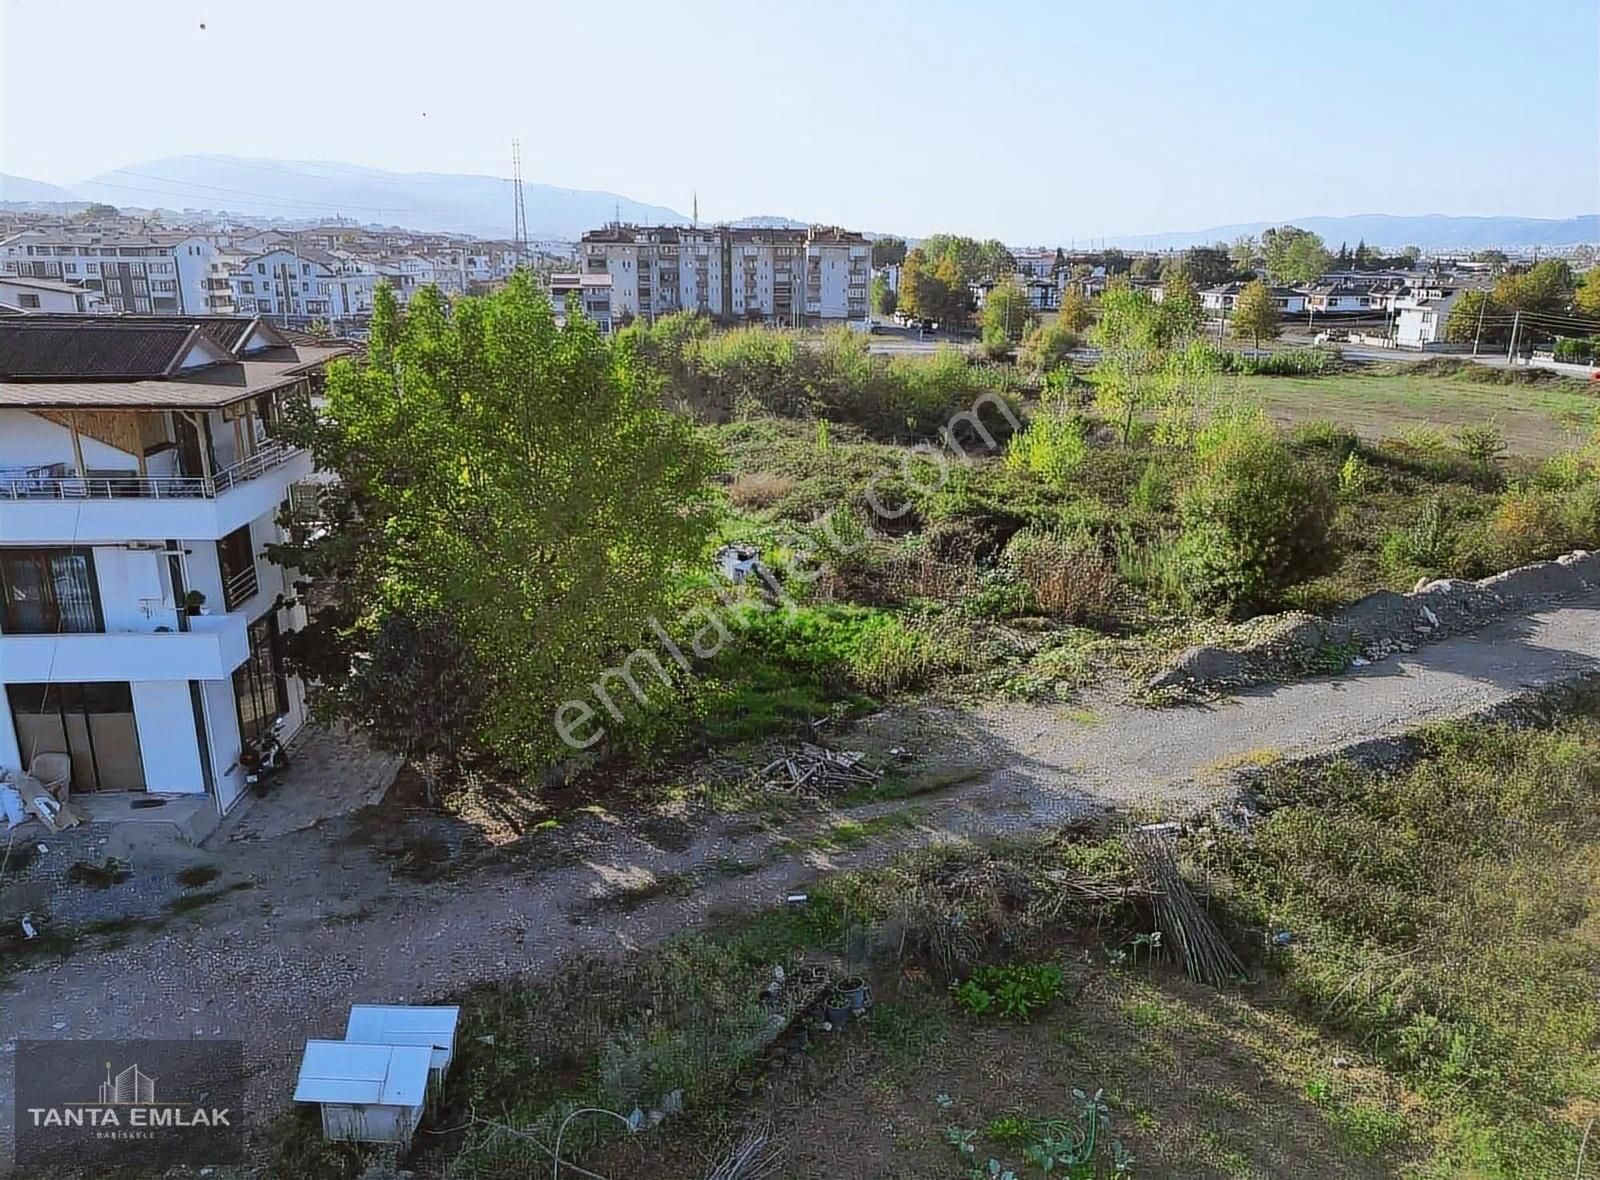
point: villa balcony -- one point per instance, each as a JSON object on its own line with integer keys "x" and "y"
{"x": 41, "y": 505}
{"x": 213, "y": 646}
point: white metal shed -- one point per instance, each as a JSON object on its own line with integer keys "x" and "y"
{"x": 399, "y": 1024}
{"x": 368, "y": 1093}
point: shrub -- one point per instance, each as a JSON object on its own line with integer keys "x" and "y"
{"x": 1153, "y": 493}
{"x": 1527, "y": 525}
{"x": 1565, "y": 471}
{"x": 1052, "y": 447}
{"x": 1321, "y": 434}
{"x": 1354, "y": 476}
{"x": 759, "y": 489}
{"x": 1428, "y": 546}
{"x": 1254, "y": 522}
{"x": 1069, "y": 578}
{"x": 1048, "y": 347}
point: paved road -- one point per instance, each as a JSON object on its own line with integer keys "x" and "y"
{"x": 282, "y": 962}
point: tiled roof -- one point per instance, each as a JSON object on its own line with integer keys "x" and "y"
{"x": 219, "y": 385}
{"x": 47, "y": 348}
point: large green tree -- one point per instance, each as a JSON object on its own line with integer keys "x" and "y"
{"x": 884, "y": 299}
{"x": 1587, "y": 298}
{"x": 1294, "y": 255}
{"x": 509, "y": 492}
{"x": 1255, "y": 314}
{"x": 1007, "y": 315}
{"x": 888, "y": 251}
{"x": 1207, "y": 266}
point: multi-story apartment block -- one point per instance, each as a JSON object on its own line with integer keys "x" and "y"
{"x": 25, "y": 295}
{"x": 164, "y": 273}
{"x": 806, "y": 276}
{"x": 140, "y": 482}
{"x": 294, "y": 284}
{"x": 593, "y": 292}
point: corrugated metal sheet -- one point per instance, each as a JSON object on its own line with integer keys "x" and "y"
{"x": 367, "y": 1075}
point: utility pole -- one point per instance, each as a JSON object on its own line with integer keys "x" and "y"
{"x": 1511, "y": 352}
{"x": 1478, "y": 335}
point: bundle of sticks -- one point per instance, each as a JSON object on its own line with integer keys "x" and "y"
{"x": 818, "y": 768}
{"x": 1183, "y": 922}
{"x": 754, "y": 1156}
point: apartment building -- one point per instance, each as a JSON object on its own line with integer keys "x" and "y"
{"x": 295, "y": 284}
{"x": 48, "y": 295}
{"x": 140, "y": 482}
{"x": 809, "y": 276}
{"x": 593, "y": 292}
{"x": 161, "y": 273}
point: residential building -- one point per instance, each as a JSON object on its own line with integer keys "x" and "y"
{"x": 593, "y": 292}
{"x": 49, "y": 295}
{"x": 1342, "y": 297}
{"x": 156, "y": 273}
{"x": 1290, "y": 300}
{"x": 1421, "y": 314}
{"x": 809, "y": 276}
{"x": 140, "y": 484}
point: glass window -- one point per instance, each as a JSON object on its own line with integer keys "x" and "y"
{"x": 93, "y": 724}
{"x": 236, "y": 555}
{"x": 48, "y": 590}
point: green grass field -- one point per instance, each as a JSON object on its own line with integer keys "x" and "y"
{"x": 1536, "y": 419}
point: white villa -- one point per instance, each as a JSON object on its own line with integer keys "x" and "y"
{"x": 140, "y": 482}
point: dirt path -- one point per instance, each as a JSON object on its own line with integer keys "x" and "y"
{"x": 274, "y": 967}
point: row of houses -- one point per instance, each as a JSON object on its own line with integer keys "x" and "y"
{"x": 328, "y": 273}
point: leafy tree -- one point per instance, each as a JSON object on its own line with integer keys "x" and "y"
{"x": 1115, "y": 261}
{"x": 512, "y": 499}
{"x": 1587, "y": 297}
{"x": 973, "y": 261}
{"x": 1180, "y": 312}
{"x": 1147, "y": 266}
{"x": 1546, "y": 288}
{"x": 1075, "y": 314}
{"x": 1470, "y": 311}
{"x": 98, "y": 210}
{"x": 1410, "y": 255}
{"x": 1294, "y": 255}
{"x": 1256, "y": 313}
{"x": 1244, "y": 252}
{"x": 888, "y": 252}
{"x": 1364, "y": 258}
{"x": 1007, "y": 314}
{"x": 1208, "y": 266}
{"x": 884, "y": 300}
{"x": 1048, "y": 346}
{"x": 1128, "y": 335}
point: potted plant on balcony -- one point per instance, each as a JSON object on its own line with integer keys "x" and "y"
{"x": 195, "y": 602}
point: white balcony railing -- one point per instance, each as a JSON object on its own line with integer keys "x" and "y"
{"x": 57, "y": 482}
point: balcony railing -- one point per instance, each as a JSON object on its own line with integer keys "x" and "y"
{"x": 57, "y": 482}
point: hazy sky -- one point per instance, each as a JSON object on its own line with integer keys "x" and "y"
{"x": 1029, "y": 120}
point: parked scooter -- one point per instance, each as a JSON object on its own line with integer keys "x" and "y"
{"x": 264, "y": 760}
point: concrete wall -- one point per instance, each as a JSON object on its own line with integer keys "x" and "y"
{"x": 164, "y": 715}
{"x": 27, "y": 440}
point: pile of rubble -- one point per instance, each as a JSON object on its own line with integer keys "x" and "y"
{"x": 1379, "y": 625}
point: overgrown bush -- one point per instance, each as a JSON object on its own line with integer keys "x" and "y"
{"x": 1052, "y": 448}
{"x": 1068, "y": 577}
{"x": 1255, "y": 520}
{"x": 1527, "y": 525}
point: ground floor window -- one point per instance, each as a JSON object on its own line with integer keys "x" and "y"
{"x": 91, "y": 723}
{"x": 260, "y": 691}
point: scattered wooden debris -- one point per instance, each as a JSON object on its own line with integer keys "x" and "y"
{"x": 752, "y": 1157}
{"x": 817, "y": 769}
{"x": 1183, "y": 922}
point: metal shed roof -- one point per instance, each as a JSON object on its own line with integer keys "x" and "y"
{"x": 398, "y": 1024}
{"x": 365, "y": 1075}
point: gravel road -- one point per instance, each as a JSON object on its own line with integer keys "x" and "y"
{"x": 281, "y": 962}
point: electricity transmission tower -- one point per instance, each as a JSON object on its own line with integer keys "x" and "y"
{"x": 520, "y": 234}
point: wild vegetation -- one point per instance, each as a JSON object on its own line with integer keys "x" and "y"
{"x": 1418, "y": 944}
{"x": 1027, "y": 528}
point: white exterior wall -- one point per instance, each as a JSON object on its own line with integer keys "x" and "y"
{"x": 163, "y": 713}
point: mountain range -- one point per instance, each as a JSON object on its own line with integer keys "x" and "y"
{"x": 1432, "y": 231}
{"x": 483, "y": 205}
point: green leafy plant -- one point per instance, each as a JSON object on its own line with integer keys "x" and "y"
{"x": 1014, "y": 991}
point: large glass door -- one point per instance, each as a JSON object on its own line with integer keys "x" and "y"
{"x": 92, "y": 724}
{"x": 48, "y": 591}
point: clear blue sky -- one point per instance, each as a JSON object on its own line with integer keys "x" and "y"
{"x": 1030, "y": 120}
